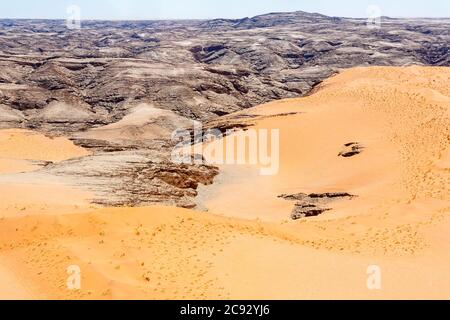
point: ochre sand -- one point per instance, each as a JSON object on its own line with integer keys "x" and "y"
{"x": 24, "y": 151}
{"x": 246, "y": 246}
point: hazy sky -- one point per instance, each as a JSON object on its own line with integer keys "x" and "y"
{"x": 200, "y": 9}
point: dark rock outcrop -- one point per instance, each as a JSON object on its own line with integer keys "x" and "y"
{"x": 314, "y": 204}
{"x": 351, "y": 149}
{"x": 135, "y": 178}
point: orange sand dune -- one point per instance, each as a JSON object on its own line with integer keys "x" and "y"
{"x": 246, "y": 246}
{"x": 23, "y": 151}
{"x": 399, "y": 116}
{"x": 170, "y": 253}
{"x": 28, "y": 145}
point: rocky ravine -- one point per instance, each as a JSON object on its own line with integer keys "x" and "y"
{"x": 119, "y": 88}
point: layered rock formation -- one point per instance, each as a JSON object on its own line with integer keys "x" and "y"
{"x": 70, "y": 80}
{"x": 135, "y": 178}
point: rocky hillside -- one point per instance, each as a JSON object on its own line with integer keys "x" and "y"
{"x": 53, "y": 78}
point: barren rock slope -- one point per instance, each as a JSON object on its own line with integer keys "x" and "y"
{"x": 198, "y": 69}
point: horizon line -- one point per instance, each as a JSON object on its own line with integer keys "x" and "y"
{"x": 220, "y": 18}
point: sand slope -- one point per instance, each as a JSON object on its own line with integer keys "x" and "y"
{"x": 251, "y": 249}
{"x": 24, "y": 151}
{"x": 399, "y": 116}
{"x": 27, "y": 145}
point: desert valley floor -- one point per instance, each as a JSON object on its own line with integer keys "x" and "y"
{"x": 240, "y": 242}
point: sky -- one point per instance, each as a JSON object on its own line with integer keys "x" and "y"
{"x": 208, "y": 9}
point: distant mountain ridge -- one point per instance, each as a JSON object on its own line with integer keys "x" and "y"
{"x": 271, "y": 20}
{"x": 199, "y": 69}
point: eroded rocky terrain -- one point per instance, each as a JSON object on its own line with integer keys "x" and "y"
{"x": 119, "y": 88}
{"x": 53, "y": 77}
